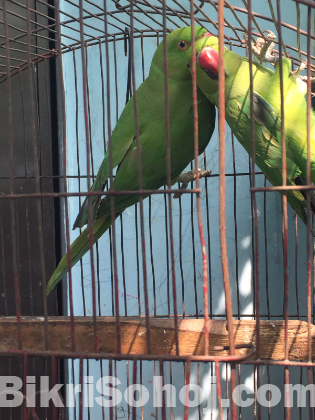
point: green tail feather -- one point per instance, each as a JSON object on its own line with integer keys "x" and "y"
{"x": 78, "y": 248}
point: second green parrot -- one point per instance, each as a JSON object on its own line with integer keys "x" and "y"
{"x": 267, "y": 114}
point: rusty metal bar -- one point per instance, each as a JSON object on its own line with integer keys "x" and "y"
{"x": 12, "y": 206}
{"x": 224, "y": 256}
{"x": 143, "y": 244}
{"x": 110, "y": 372}
{"x": 162, "y": 384}
{"x": 310, "y": 4}
{"x": 284, "y": 215}
{"x": 253, "y": 197}
{"x": 112, "y": 203}
{"x": 218, "y": 382}
{"x": 37, "y": 181}
{"x": 187, "y": 383}
{"x": 308, "y": 173}
{"x": 168, "y": 172}
{"x": 284, "y": 188}
{"x": 64, "y": 141}
{"x": 105, "y": 193}
{"x": 134, "y": 381}
{"x": 200, "y": 225}
{"x": 88, "y": 164}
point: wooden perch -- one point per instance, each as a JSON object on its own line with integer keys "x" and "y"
{"x": 133, "y": 336}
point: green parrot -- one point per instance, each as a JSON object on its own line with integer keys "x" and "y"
{"x": 267, "y": 113}
{"x": 152, "y": 132}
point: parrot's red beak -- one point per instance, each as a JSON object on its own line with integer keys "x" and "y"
{"x": 208, "y": 60}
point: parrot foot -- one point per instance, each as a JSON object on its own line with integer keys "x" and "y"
{"x": 297, "y": 71}
{"x": 187, "y": 177}
{"x": 263, "y": 48}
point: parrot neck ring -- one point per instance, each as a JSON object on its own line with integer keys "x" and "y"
{"x": 206, "y": 34}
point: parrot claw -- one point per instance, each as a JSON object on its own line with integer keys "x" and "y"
{"x": 298, "y": 70}
{"x": 187, "y": 177}
{"x": 296, "y": 73}
{"x": 263, "y": 47}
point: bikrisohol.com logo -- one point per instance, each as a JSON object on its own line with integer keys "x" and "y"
{"x": 107, "y": 393}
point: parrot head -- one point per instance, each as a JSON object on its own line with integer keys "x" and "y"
{"x": 207, "y": 59}
{"x": 179, "y": 51}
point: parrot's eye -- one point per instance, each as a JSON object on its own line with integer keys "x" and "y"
{"x": 182, "y": 45}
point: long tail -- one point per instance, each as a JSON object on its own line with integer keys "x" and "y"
{"x": 78, "y": 248}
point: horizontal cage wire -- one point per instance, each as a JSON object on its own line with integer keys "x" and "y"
{"x": 212, "y": 289}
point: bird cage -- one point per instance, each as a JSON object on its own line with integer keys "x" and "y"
{"x": 208, "y": 294}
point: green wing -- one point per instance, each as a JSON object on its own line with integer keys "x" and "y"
{"x": 122, "y": 137}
